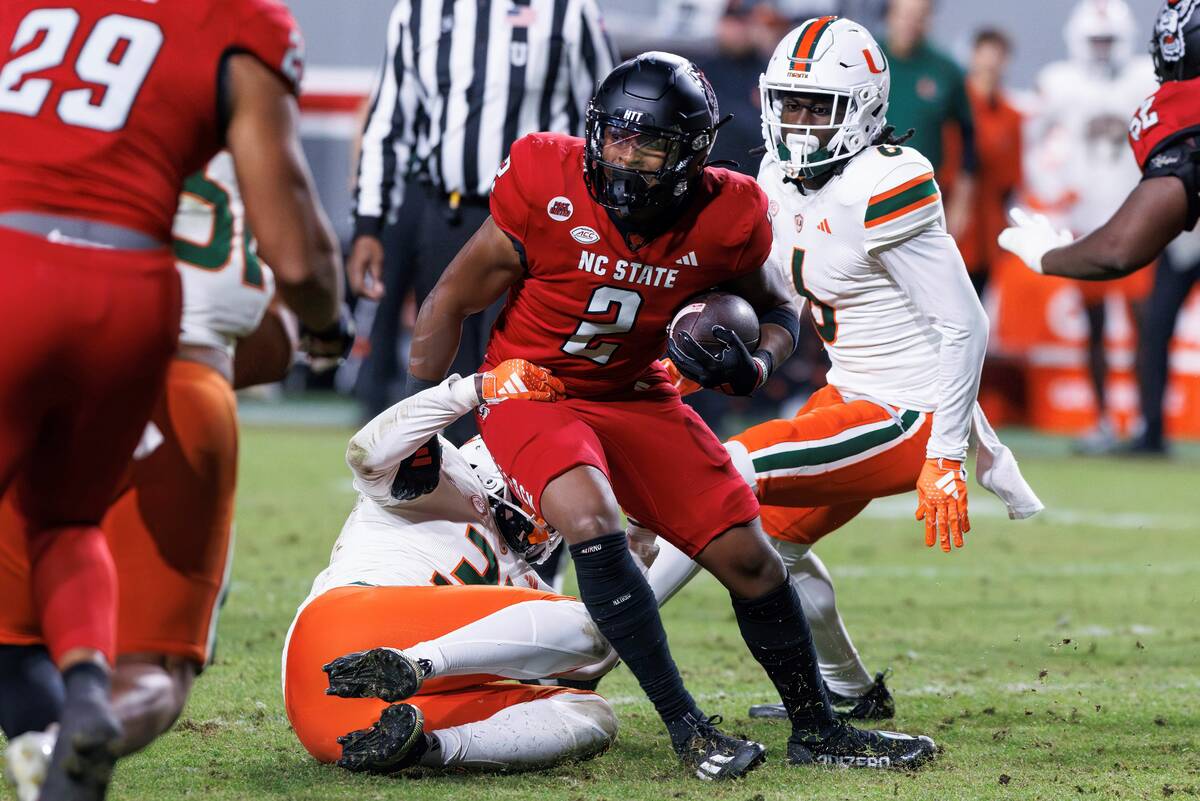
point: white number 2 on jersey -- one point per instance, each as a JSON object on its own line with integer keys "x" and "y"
{"x": 602, "y": 302}
{"x": 1143, "y": 120}
{"x": 121, "y": 79}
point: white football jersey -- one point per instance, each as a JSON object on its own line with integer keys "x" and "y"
{"x": 879, "y": 343}
{"x": 226, "y": 289}
{"x": 1090, "y": 111}
{"x": 447, "y": 537}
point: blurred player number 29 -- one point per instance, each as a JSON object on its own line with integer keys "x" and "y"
{"x": 122, "y": 79}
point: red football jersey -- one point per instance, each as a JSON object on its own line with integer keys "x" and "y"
{"x": 589, "y": 308}
{"x": 106, "y": 106}
{"x": 1173, "y": 109}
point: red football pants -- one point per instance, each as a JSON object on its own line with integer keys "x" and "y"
{"x": 87, "y": 335}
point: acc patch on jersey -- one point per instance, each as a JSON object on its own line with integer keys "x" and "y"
{"x": 585, "y": 235}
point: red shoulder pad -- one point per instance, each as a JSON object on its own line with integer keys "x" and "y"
{"x": 266, "y": 30}
{"x": 743, "y": 209}
{"x": 534, "y": 172}
{"x": 1175, "y": 107}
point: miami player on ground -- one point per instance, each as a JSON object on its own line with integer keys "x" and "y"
{"x": 1165, "y": 136}
{"x": 860, "y": 231}
{"x": 170, "y": 529}
{"x": 399, "y": 655}
{"x": 598, "y": 242}
{"x": 106, "y": 107}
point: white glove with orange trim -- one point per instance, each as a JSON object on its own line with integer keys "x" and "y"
{"x": 942, "y": 502}
{"x": 517, "y": 379}
{"x": 685, "y": 385}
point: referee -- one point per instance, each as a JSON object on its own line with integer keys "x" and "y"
{"x": 462, "y": 80}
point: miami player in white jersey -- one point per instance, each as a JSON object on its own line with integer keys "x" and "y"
{"x": 1082, "y": 168}
{"x": 861, "y": 238}
{"x": 400, "y": 654}
{"x": 171, "y": 527}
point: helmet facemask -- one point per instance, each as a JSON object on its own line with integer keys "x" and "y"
{"x": 797, "y": 147}
{"x": 630, "y": 167}
{"x": 525, "y": 533}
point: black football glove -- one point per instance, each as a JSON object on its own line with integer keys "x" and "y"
{"x": 735, "y": 371}
{"x": 418, "y": 474}
{"x": 329, "y": 348}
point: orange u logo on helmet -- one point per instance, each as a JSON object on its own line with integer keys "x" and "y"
{"x": 871, "y": 63}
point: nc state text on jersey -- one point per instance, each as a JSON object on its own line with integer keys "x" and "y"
{"x": 631, "y": 272}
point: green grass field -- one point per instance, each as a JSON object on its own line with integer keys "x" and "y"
{"x": 1055, "y": 658}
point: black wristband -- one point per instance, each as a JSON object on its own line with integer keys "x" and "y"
{"x": 368, "y": 226}
{"x": 413, "y": 385}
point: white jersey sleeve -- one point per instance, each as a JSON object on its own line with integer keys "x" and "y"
{"x": 930, "y": 270}
{"x": 376, "y": 451}
{"x": 902, "y": 199}
{"x": 226, "y": 289}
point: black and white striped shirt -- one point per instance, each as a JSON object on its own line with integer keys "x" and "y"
{"x": 462, "y": 80}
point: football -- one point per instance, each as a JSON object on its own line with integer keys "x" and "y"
{"x": 703, "y": 311}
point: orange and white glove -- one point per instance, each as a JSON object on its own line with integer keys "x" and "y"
{"x": 942, "y": 502}
{"x": 685, "y": 385}
{"x": 517, "y": 379}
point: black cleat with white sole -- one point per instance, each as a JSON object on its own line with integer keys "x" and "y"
{"x": 848, "y": 747}
{"x": 395, "y": 742}
{"x": 717, "y": 756}
{"x": 385, "y": 673}
{"x": 876, "y": 704}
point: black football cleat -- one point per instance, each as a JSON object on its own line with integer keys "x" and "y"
{"x": 848, "y": 747}
{"x": 395, "y": 742}
{"x": 718, "y": 757}
{"x": 876, "y": 704}
{"x": 81, "y": 764}
{"x": 385, "y": 673}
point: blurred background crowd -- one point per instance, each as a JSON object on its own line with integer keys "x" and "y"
{"x": 1025, "y": 102}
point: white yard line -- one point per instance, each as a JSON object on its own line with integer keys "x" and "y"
{"x": 986, "y": 506}
{"x": 1065, "y": 570}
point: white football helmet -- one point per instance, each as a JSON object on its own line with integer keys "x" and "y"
{"x": 824, "y": 56}
{"x": 1100, "y": 33}
{"x": 525, "y": 533}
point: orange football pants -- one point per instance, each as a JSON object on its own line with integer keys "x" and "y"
{"x": 348, "y": 619}
{"x": 169, "y": 529}
{"x": 818, "y": 470}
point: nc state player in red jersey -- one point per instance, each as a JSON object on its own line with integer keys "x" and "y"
{"x": 105, "y": 107}
{"x": 598, "y": 242}
{"x": 1165, "y": 137}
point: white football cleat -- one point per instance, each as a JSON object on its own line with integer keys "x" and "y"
{"x": 26, "y": 760}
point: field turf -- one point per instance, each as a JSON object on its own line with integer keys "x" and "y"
{"x": 1056, "y": 658}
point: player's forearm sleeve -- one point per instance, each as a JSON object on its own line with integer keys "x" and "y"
{"x": 389, "y": 135}
{"x": 930, "y": 270}
{"x": 381, "y": 445}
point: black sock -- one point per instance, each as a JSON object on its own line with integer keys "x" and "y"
{"x": 623, "y": 607}
{"x": 86, "y": 679}
{"x": 31, "y": 689}
{"x": 777, "y": 634}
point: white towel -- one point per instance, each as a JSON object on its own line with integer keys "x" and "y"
{"x": 997, "y": 471}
